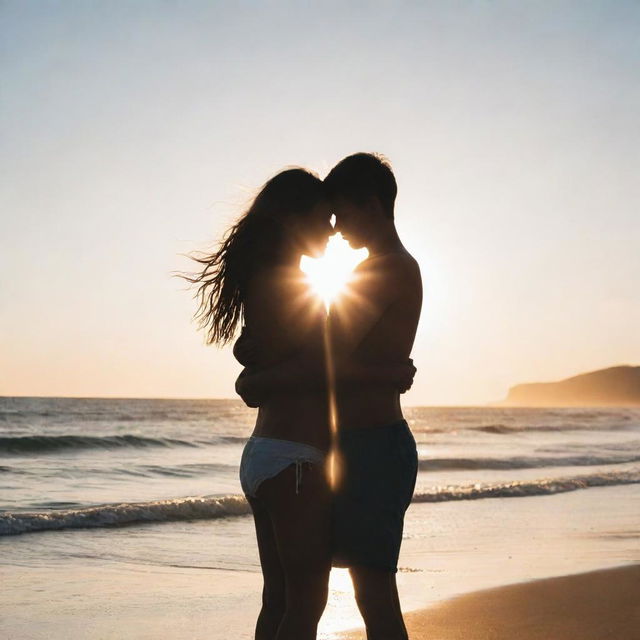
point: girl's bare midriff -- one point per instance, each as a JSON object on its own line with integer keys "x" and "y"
{"x": 301, "y": 417}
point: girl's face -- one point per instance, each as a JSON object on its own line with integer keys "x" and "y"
{"x": 314, "y": 230}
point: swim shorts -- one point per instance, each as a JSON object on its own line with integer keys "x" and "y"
{"x": 378, "y": 470}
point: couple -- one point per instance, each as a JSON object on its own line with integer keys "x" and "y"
{"x": 323, "y": 384}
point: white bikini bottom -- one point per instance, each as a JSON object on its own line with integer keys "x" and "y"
{"x": 264, "y": 458}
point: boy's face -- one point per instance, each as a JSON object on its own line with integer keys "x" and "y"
{"x": 353, "y": 221}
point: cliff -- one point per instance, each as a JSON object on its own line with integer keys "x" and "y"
{"x": 615, "y": 386}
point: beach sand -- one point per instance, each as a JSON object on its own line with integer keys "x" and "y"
{"x": 201, "y": 580}
{"x": 599, "y": 605}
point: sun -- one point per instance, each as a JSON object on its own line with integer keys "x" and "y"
{"x": 329, "y": 274}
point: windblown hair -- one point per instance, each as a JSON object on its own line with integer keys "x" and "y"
{"x": 362, "y": 176}
{"x": 255, "y": 241}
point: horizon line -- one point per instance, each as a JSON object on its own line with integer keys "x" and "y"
{"x": 488, "y": 405}
{"x": 3, "y": 396}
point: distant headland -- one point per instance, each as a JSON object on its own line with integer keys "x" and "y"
{"x": 615, "y": 386}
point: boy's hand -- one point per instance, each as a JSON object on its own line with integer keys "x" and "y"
{"x": 248, "y": 388}
{"x": 245, "y": 350}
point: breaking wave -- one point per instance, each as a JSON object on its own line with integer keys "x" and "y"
{"x": 209, "y": 507}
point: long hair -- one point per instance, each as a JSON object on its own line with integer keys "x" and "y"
{"x": 255, "y": 241}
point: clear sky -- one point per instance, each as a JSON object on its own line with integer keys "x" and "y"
{"x": 134, "y": 131}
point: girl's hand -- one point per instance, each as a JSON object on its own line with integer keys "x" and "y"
{"x": 403, "y": 374}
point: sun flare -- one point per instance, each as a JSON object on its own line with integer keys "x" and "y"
{"x": 329, "y": 274}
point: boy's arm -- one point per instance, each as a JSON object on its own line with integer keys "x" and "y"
{"x": 303, "y": 374}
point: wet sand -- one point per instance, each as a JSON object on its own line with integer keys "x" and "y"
{"x": 148, "y": 582}
{"x": 599, "y": 605}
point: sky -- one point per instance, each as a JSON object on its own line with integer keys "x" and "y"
{"x": 134, "y": 132}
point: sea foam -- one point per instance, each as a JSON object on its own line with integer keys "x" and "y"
{"x": 189, "y": 508}
{"x": 212, "y": 507}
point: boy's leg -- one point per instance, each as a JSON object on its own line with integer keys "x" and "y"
{"x": 381, "y": 467}
{"x": 377, "y": 597}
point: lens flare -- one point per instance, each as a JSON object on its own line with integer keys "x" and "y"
{"x": 329, "y": 274}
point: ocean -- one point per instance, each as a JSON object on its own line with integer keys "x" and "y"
{"x": 135, "y": 485}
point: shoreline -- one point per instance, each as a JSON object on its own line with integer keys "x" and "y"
{"x": 596, "y": 605}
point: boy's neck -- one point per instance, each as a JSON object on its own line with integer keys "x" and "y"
{"x": 385, "y": 240}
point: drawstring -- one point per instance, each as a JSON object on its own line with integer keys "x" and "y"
{"x": 298, "y": 475}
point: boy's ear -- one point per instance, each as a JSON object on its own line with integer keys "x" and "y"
{"x": 374, "y": 206}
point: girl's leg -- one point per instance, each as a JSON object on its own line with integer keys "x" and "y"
{"x": 301, "y": 523}
{"x": 273, "y": 591}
